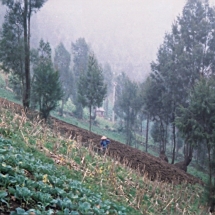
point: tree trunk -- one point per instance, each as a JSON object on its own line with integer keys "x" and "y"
{"x": 166, "y": 133}
{"x": 62, "y": 107}
{"x": 114, "y": 95}
{"x": 147, "y": 132}
{"x": 173, "y": 133}
{"x": 209, "y": 165}
{"x": 106, "y": 108}
{"x": 162, "y": 136}
{"x": 90, "y": 108}
{"x": 26, "y": 24}
{"x": 176, "y": 154}
{"x": 127, "y": 128}
{"x": 174, "y": 143}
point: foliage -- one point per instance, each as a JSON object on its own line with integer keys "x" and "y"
{"x": 108, "y": 79}
{"x": 46, "y": 87}
{"x": 186, "y": 53}
{"x": 197, "y": 121}
{"x": 11, "y": 38}
{"x": 102, "y": 178}
{"x": 91, "y": 87}
{"x": 128, "y": 103}
{"x": 62, "y": 63}
{"x": 15, "y": 41}
{"x": 80, "y": 51}
{"x": 155, "y": 132}
{"x": 49, "y": 188}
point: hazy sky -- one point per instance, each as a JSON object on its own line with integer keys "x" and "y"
{"x": 125, "y": 33}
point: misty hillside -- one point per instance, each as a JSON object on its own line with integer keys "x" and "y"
{"x": 124, "y": 34}
{"x": 141, "y": 74}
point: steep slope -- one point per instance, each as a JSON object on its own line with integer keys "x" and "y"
{"x": 152, "y": 167}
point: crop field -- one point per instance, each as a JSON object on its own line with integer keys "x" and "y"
{"x": 43, "y": 172}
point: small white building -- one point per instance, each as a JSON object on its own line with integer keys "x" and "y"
{"x": 100, "y": 112}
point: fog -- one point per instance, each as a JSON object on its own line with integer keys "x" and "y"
{"x": 124, "y": 33}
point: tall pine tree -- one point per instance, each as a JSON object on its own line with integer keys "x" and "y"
{"x": 197, "y": 122}
{"x": 127, "y": 104}
{"x": 46, "y": 86}
{"x": 91, "y": 87}
{"x": 186, "y": 54}
{"x": 62, "y": 61}
{"x": 80, "y": 51}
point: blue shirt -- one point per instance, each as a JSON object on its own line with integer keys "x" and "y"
{"x": 104, "y": 143}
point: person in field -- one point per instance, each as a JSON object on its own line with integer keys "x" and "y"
{"x": 104, "y": 144}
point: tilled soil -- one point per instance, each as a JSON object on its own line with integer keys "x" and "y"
{"x": 152, "y": 167}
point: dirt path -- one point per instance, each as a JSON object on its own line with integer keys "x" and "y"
{"x": 150, "y": 166}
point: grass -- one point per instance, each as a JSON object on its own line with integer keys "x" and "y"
{"x": 99, "y": 129}
{"x": 103, "y": 127}
{"x": 8, "y": 95}
{"x": 115, "y": 184}
{"x": 193, "y": 171}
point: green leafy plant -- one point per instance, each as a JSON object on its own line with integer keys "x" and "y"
{"x": 3, "y": 195}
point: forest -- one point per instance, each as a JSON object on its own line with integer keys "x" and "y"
{"x": 173, "y": 107}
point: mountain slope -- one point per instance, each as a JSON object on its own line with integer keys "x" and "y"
{"x": 152, "y": 167}
{"x": 123, "y": 183}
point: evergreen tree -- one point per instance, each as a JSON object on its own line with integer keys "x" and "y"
{"x": 168, "y": 74}
{"x": 187, "y": 52}
{"x": 62, "y": 64}
{"x": 156, "y": 133}
{"x": 91, "y": 87}
{"x": 144, "y": 114}
{"x": 197, "y": 121}
{"x": 46, "y": 87}
{"x": 128, "y": 103}
{"x": 108, "y": 78}
{"x": 12, "y": 50}
{"x": 155, "y": 107}
{"x": 20, "y": 22}
{"x": 80, "y": 52}
{"x": 196, "y": 28}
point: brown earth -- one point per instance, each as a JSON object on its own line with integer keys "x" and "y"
{"x": 152, "y": 167}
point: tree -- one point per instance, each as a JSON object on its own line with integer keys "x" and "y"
{"x": 128, "y": 103}
{"x": 91, "y": 87}
{"x": 156, "y": 133}
{"x": 46, "y": 87}
{"x": 108, "y": 78}
{"x": 197, "y": 121}
{"x": 154, "y": 106}
{"x": 168, "y": 74}
{"x": 62, "y": 64}
{"x": 12, "y": 49}
{"x": 144, "y": 114}
{"x": 80, "y": 52}
{"x": 17, "y": 23}
{"x": 186, "y": 53}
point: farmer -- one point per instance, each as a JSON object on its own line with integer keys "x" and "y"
{"x": 104, "y": 143}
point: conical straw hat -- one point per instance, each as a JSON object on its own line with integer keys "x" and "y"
{"x": 103, "y": 138}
